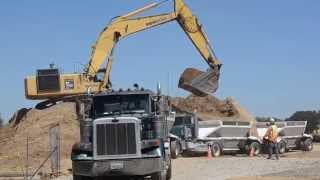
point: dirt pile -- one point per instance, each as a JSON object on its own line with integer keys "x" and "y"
{"x": 35, "y": 124}
{"x": 207, "y": 107}
{"x": 211, "y": 108}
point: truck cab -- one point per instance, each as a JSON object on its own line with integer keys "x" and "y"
{"x": 185, "y": 129}
{"x": 126, "y": 134}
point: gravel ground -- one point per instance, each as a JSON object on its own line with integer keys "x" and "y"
{"x": 291, "y": 166}
{"x": 224, "y": 168}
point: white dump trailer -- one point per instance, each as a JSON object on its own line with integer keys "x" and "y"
{"x": 291, "y": 135}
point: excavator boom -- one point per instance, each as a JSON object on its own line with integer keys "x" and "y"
{"x": 117, "y": 30}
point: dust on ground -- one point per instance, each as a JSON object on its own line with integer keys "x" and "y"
{"x": 244, "y": 167}
{"x": 314, "y": 154}
{"x": 275, "y": 177}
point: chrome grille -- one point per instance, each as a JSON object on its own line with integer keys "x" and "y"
{"x": 116, "y": 139}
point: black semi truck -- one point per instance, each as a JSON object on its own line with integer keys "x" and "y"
{"x": 124, "y": 134}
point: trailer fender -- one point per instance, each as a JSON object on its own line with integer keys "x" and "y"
{"x": 306, "y": 136}
{"x": 253, "y": 138}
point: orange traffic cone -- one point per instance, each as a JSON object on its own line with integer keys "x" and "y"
{"x": 251, "y": 154}
{"x": 209, "y": 153}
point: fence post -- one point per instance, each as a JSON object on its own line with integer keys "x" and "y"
{"x": 54, "y": 134}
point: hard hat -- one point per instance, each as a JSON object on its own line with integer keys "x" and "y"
{"x": 272, "y": 121}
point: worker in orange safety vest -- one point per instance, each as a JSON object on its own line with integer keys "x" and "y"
{"x": 271, "y": 137}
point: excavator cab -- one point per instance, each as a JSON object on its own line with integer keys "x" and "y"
{"x": 48, "y": 80}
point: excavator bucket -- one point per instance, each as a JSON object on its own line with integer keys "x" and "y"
{"x": 198, "y": 82}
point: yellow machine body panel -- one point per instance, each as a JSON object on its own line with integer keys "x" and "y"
{"x": 68, "y": 85}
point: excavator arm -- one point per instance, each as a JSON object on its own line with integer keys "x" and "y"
{"x": 189, "y": 23}
{"x": 195, "y": 81}
{"x": 126, "y": 25}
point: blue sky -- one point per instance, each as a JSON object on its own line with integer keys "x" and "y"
{"x": 270, "y": 49}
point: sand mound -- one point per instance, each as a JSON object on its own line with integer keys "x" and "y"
{"x": 35, "y": 124}
{"x": 207, "y": 107}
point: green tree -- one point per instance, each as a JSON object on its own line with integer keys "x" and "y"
{"x": 312, "y": 117}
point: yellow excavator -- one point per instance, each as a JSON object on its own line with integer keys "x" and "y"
{"x": 49, "y": 84}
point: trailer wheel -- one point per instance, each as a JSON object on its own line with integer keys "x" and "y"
{"x": 307, "y": 145}
{"x": 282, "y": 147}
{"x": 215, "y": 150}
{"x": 256, "y": 147}
{"x": 174, "y": 149}
{"x": 287, "y": 150}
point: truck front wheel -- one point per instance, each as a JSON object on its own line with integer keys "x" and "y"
{"x": 169, "y": 173}
{"x": 159, "y": 176}
{"x": 174, "y": 149}
{"x": 307, "y": 145}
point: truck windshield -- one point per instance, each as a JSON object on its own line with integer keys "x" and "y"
{"x": 182, "y": 120}
{"x": 121, "y": 104}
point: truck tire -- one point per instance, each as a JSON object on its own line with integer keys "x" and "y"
{"x": 174, "y": 149}
{"x": 216, "y": 150}
{"x": 282, "y": 146}
{"x": 169, "y": 173}
{"x": 159, "y": 176}
{"x": 307, "y": 145}
{"x": 77, "y": 177}
{"x": 256, "y": 147}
